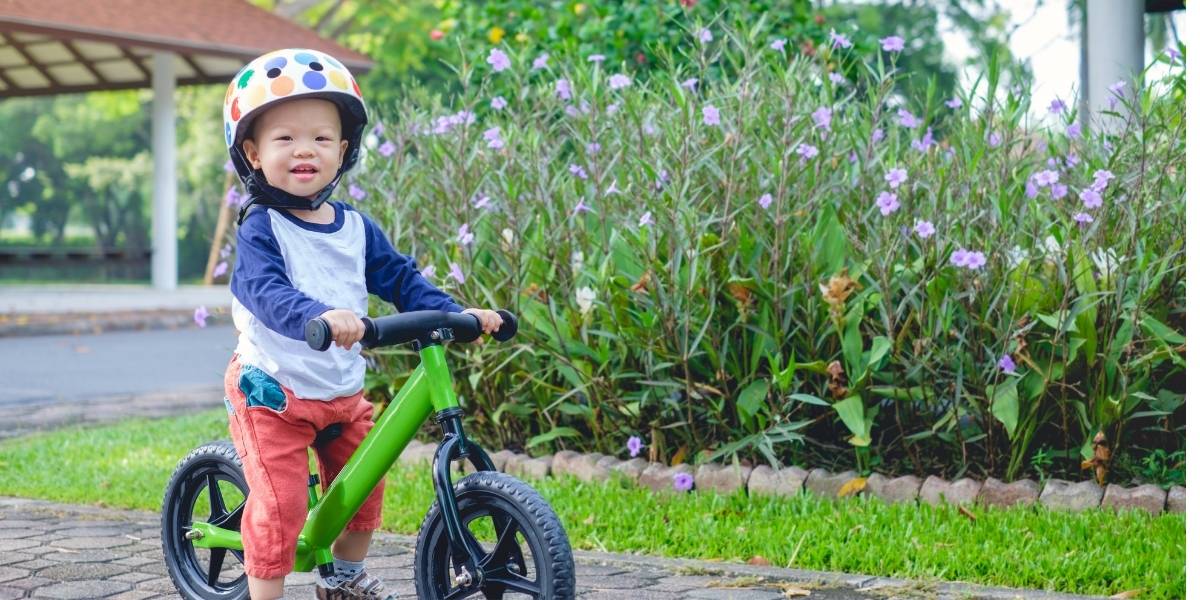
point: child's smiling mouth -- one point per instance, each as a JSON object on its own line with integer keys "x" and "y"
{"x": 304, "y": 172}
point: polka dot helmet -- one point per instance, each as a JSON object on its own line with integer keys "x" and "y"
{"x": 286, "y": 75}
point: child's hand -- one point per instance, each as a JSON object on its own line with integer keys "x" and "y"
{"x": 344, "y": 327}
{"x": 489, "y": 320}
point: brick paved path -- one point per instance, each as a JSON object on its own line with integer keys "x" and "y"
{"x": 65, "y": 551}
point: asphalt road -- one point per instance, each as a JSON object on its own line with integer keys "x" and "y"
{"x": 43, "y": 370}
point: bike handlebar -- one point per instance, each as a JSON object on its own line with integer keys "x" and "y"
{"x": 408, "y": 326}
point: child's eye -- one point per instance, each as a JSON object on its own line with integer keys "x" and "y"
{"x": 286, "y": 138}
{"x": 321, "y": 138}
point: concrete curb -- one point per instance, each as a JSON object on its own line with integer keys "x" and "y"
{"x": 23, "y": 325}
{"x": 27, "y": 418}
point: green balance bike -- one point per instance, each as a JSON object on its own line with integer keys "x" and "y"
{"x": 488, "y": 535}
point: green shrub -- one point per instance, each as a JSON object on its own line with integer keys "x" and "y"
{"x": 735, "y": 290}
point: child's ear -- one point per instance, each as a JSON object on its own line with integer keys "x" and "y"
{"x": 251, "y": 152}
{"x": 342, "y": 156}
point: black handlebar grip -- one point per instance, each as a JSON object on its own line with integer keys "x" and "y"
{"x": 508, "y": 329}
{"x": 319, "y": 337}
{"x": 317, "y": 334}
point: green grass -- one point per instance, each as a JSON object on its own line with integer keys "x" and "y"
{"x": 1096, "y": 552}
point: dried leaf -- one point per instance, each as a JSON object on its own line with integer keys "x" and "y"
{"x": 679, "y": 455}
{"x": 760, "y": 560}
{"x": 852, "y": 487}
{"x": 1126, "y": 594}
{"x": 642, "y": 283}
{"x": 962, "y": 510}
{"x": 837, "y": 380}
{"x": 796, "y": 592}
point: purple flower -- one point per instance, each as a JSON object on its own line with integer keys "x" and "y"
{"x": 1006, "y": 365}
{"x": 1031, "y": 188}
{"x": 229, "y": 168}
{"x": 887, "y": 203}
{"x": 1101, "y": 179}
{"x": 618, "y": 81}
{"x": 499, "y": 103}
{"x": 596, "y": 58}
{"x": 200, "y": 317}
{"x": 541, "y": 61}
{"x": 482, "y": 203}
{"x": 577, "y": 171}
{"x": 822, "y": 117}
{"x": 836, "y": 78}
{"x": 225, "y": 250}
{"x": 853, "y": 157}
{"x": 428, "y": 272}
{"x": 765, "y": 200}
{"x": 712, "y": 116}
{"x": 967, "y": 259}
{"x": 1058, "y": 191}
{"x": 926, "y": 142}
{"x": 924, "y": 229}
{"x": 580, "y": 207}
{"x": 377, "y": 130}
{"x": 876, "y": 136}
{"x": 958, "y": 258}
{"x": 1056, "y": 107}
{"x": 994, "y": 139}
{"x": 778, "y": 44}
{"x": 457, "y": 274}
{"x": 232, "y": 196}
{"x": 896, "y": 176}
{"x": 906, "y": 119}
{"x": 356, "y": 192}
{"x": 1091, "y": 199}
{"x": 684, "y": 482}
{"x": 647, "y": 220}
{"x": 592, "y": 147}
{"x": 465, "y": 237}
{"x": 387, "y": 149}
{"x": 690, "y": 83}
{"x": 612, "y": 189}
{"x": 1083, "y": 218}
{"x": 954, "y": 103}
{"x": 634, "y": 445}
{"x": 612, "y": 109}
{"x": 704, "y": 35}
{"x": 806, "y": 151}
{"x": 892, "y": 43}
{"x": 220, "y": 269}
{"x": 975, "y": 260}
{"x": 1174, "y": 54}
{"x": 1072, "y": 160}
{"x": 1045, "y": 178}
{"x": 492, "y": 137}
{"x": 499, "y": 60}
{"x": 563, "y": 88}
{"x": 838, "y": 40}
{"x": 1074, "y": 130}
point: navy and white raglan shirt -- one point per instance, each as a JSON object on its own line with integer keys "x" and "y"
{"x": 289, "y": 271}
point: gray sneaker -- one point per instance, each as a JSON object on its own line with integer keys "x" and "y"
{"x": 361, "y": 587}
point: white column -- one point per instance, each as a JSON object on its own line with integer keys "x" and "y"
{"x": 1116, "y": 41}
{"x": 163, "y": 263}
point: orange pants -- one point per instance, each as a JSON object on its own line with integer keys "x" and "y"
{"x": 272, "y": 430}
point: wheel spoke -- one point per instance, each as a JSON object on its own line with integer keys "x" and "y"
{"x": 216, "y": 561}
{"x": 506, "y": 539}
{"x": 215, "y": 502}
{"x": 517, "y": 583}
{"x": 461, "y": 592}
{"x": 231, "y": 520}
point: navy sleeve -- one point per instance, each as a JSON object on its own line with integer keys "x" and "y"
{"x": 395, "y": 278}
{"x": 260, "y": 281}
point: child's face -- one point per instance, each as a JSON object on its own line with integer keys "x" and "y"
{"x": 298, "y": 145}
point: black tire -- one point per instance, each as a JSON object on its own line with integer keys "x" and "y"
{"x": 505, "y": 499}
{"x": 191, "y": 488}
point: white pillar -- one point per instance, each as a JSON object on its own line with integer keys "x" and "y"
{"x": 164, "y": 271}
{"x": 1116, "y": 41}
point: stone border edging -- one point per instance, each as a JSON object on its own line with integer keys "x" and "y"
{"x": 1056, "y": 494}
{"x": 38, "y": 324}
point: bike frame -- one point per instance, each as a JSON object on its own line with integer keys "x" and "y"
{"x": 429, "y": 389}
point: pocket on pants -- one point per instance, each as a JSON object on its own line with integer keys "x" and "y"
{"x": 261, "y": 389}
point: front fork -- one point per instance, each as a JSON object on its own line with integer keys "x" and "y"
{"x": 454, "y": 446}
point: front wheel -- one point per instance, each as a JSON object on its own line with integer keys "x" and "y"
{"x": 525, "y": 547}
{"x": 208, "y": 485}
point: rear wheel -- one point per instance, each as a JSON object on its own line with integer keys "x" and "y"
{"x": 527, "y": 554}
{"x": 208, "y": 486}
